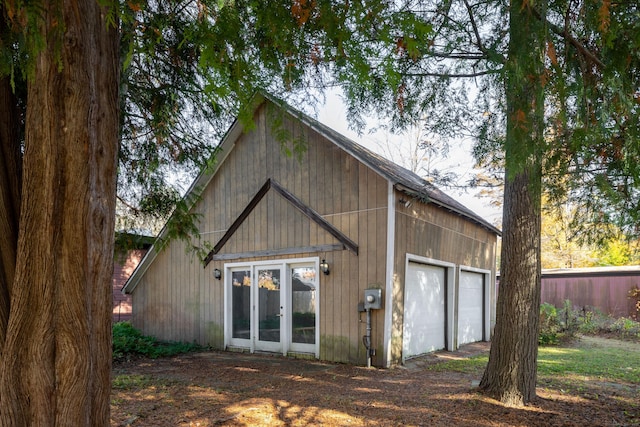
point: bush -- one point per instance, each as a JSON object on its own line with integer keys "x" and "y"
{"x": 549, "y": 326}
{"x": 568, "y": 318}
{"x": 128, "y": 341}
{"x": 592, "y": 322}
{"x": 626, "y": 328}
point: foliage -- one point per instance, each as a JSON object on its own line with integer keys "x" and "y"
{"x": 128, "y": 342}
{"x": 563, "y": 247}
{"x": 549, "y": 326}
{"x": 615, "y": 251}
{"x": 626, "y": 328}
{"x": 634, "y": 294}
{"x": 593, "y": 322}
{"x": 559, "y": 248}
{"x": 190, "y": 66}
{"x": 562, "y": 101}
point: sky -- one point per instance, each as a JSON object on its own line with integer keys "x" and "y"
{"x": 460, "y": 160}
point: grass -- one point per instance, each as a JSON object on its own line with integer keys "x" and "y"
{"x": 131, "y": 382}
{"x": 603, "y": 363}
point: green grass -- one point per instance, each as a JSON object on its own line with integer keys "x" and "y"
{"x": 472, "y": 365}
{"x": 130, "y": 381}
{"x": 610, "y": 364}
{"x": 602, "y": 363}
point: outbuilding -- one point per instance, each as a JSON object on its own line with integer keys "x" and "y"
{"x": 319, "y": 248}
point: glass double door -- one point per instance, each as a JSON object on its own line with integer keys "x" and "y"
{"x": 273, "y": 306}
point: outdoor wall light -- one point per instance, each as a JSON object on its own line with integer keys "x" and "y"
{"x": 324, "y": 267}
{"x": 217, "y": 273}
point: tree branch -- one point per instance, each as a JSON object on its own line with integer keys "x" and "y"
{"x": 564, "y": 32}
{"x": 453, "y": 76}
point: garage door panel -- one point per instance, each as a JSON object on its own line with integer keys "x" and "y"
{"x": 424, "y": 314}
{"x": 470, "y": 307}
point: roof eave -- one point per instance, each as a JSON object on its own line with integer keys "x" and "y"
{"x": 424, "y": 196}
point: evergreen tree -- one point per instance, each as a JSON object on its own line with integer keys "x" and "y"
{"x": 95, "y": 92}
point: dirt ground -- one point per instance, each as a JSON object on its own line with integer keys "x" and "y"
{"x": 231, "y": 389}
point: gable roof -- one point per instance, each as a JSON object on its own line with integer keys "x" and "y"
{"x": 402, "y": 179}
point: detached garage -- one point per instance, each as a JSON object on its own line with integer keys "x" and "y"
{"x": 305, "y": 251}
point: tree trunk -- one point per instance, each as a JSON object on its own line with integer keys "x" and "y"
{"x": 512, "y": 369}
{"x": 56, "y": 357}
{"x": 10, "y": 180}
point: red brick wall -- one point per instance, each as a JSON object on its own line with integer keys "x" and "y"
{"x": 122, "y": 269}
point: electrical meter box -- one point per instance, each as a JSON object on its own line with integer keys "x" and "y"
{"x": 373, "y": 298}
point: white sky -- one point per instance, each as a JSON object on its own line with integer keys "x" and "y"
{"x": 460, "y": 160}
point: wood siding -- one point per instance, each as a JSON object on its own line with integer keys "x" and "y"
{"x": 178, "y": 299}
{"x": 429, "y": 231}
{"x": 608, "y": 294}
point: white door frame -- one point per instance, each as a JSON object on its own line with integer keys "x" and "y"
{"x": 252, "y": 343}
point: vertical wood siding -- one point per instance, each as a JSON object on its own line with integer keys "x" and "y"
{"x": 432, "y": 232}
{"x": 178, "y": 299}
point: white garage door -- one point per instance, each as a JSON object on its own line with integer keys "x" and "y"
{"x": 470, "y": 307}
{"x": 424, "y": 309}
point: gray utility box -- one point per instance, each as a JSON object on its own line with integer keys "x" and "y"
{"x": 373, "y": 298}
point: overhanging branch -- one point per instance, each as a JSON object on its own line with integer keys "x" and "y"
{"x": 564, "y": 32}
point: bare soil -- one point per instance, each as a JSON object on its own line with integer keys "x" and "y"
{"x": 232, "y": 389}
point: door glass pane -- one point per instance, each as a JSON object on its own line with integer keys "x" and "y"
{"x": 303, "y": 305}
{"x": 241, "y": 304}
{"x": 269, "y": 313}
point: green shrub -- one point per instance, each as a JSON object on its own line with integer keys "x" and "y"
{"x": 549, "y": 326}
{"x": 627, "y": 328}
{"x": 568, "y": 318}
{"x": 592, "y": 321}
{"x": 128, "y": 341}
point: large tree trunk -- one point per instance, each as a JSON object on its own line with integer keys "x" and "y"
{"x": 56, "y": 357}
{"x": 10, "y": 181}
{"x": 512, "y": 369}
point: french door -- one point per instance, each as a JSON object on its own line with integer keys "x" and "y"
{"x": 269, "y": 308}
{"x": 273, "y": 306}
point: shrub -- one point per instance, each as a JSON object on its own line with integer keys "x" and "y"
{"x": 128, "y": 341}
{"x": 568, "y": 318}
{"x": 593, "y": 321}
{"x": 549, "y": 326}
{"x": 627, "y": 328}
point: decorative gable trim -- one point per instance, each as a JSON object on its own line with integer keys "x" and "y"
{"x": 297, "y": 203}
